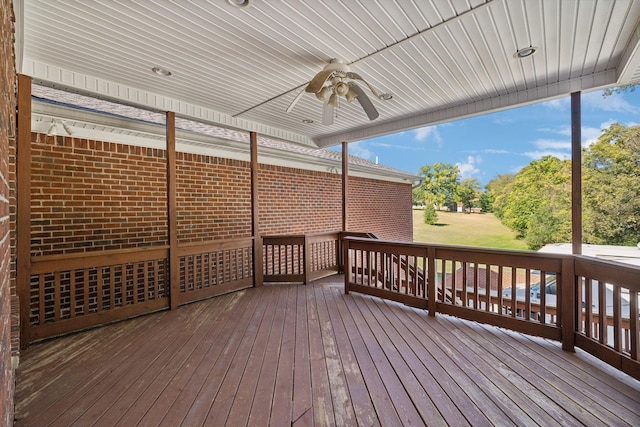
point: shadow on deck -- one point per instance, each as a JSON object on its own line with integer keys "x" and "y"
{"x": 310, "y": 355}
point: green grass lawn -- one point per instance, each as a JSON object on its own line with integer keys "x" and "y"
{"x": 480, "y": 230}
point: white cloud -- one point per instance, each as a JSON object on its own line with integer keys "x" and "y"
{"x": 395, "y": 146}
{"x": 535, "y": 155}
{"x": 552, "y": 143}
{"x": 468, "y": 168}
{"x": 559, "y": 104}
{"x": 589, "y": 134}
{"x": 612, "y": 103}
{"x": 425, "y": 133}
{"x": 358, "y": 149}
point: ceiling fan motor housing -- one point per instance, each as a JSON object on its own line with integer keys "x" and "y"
{"x": 337, "y": 65}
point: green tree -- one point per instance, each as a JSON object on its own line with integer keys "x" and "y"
{"x": 497, "y": 192}
{"x": 468, "y": 193}
{"x": 611, "y": 191}
{"x": 417, "y": 195}
{"x": 538, "y": 204}
{"x": 441, "y": 183}
{"x": 430, "y": 214}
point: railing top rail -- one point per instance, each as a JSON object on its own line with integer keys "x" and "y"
{"x": 97, "y": 254}
{"x": 213, "y": 246}
{"x": 608, "y": 271}
{"x": 323, "y": 233}
{"x": 53, "y": 263}
{"x": 283, "y": 240}
{"x": 282, "y": 236}
{"x": 516, "y": 258}
{"x": 216, "y": 242}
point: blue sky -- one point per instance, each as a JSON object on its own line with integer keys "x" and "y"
{"x": 502, "y": 142}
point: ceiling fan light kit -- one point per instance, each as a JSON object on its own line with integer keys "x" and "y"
{"x": 337, "y": 80}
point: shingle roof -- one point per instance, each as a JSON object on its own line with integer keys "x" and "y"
{"x": 101, "y": 106}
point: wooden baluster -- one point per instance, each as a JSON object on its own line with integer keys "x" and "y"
{"x": 617, "y": 318}
{"x": 369, "y": 267}
{"x": 634, "y": 324}
{"x": 99, "y": 287}
{"x": 543, "y": 297}
{"x": 514, "y": 292}
{"x": 56, "y": 296}
{"x": 86, "y": 288}
{"x": 443, "y": 282}
{"x": 134, "y": 281}
{"x": 112, "y": 287}
{"x": 202, "y": 267}
{"x": 423, "y": 285}
{"x": 476, "y": 293}
{"x": 588, "y": 305}
{"x": 487, "y": 281}
{"x": 41, "y": 299}
{"x": 454, "y": 282}
{"x": 500, "y": 283}
{"x": 72, "y": 294}
{"x": 527, "y": 295}
{"x": 465, "y": 299}
{"x": 602, "y": 312}
{"x": 145, "y": 275}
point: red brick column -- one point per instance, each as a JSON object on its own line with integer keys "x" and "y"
{"x": 7, "y": 132}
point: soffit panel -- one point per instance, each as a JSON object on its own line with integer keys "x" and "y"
{"x": 246, "y": 66}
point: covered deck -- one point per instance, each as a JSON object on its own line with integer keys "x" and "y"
{"x": 311, "y": 355}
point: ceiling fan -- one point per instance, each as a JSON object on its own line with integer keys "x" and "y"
{"x": 337, "y": 80}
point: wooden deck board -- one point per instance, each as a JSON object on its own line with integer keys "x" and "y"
{"x": 310, "y": 355}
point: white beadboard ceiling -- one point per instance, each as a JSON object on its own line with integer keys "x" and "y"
{"x": 241, "y": 68}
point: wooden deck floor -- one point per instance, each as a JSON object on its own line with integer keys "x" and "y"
{"x": 309, "y": 355}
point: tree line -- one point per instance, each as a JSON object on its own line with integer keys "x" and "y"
{"x": 536, "y": 201}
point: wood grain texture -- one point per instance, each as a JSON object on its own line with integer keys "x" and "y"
{"x": 311, "y": 355}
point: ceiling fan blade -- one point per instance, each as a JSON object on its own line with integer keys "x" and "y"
{"x": 364, "y": 101}
{"x": 357, "y": 76}
{"x": 318, "y": 81}
{"x": 327, "y": 114}
{"x": 295, "y": 101}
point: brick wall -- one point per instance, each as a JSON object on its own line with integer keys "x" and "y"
{"x": 213, "y": 198}
{"x": 7, "y": 130}
{"x": 93, "y": 195}
{"x": 381, "y": 207}
{"x": 295, "y": 201}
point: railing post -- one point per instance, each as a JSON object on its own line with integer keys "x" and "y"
{"x": 23, "y": 202}
{"x": 339, "y": 246}
{"x": 432, "y": 292}
{"x": 346, "y": 264}
{"x": 306, "y": 253}
{"x": 568, "y": 304}
{"x": 174, "y": 262}
{"x": 258, "y": 261}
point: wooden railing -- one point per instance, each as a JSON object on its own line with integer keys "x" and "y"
{"x": 608, "y": 324}
{"x": 77, "y": 291}
{"x": 301, "y": 258}
{"x": 214, "y": 268}
{"x": 593, "y": 303}
{"x": 509, "y": 289}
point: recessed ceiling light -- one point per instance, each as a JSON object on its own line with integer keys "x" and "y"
{"x": 385, "y": 96}
{"x": 240, "y": 3}
{"x": 525, "y": 52}
{"x": 307, "y": 121}
{"x": 161, "y": 71}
